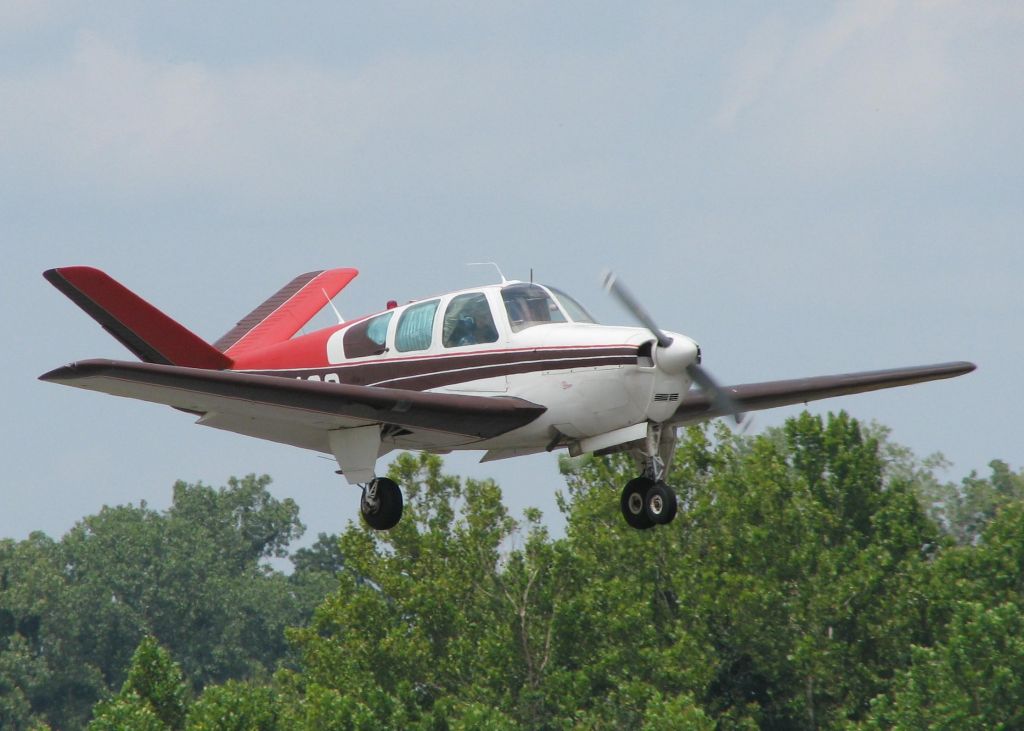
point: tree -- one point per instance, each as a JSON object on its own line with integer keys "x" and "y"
{"x": 414, "y": 616}
{"x": 236, "y": 706}
{"x": 154, "y": 694}
{"x": 802, "y": 585}
{"x": 787, "y": 593}
{"x": 22, "y": 674}
{"x": 966, "y": 509}
{"x": 786, "y": 589}
{"x": 39, "y": 676}
{"x": 973, "y": 680}
{"x": 193, "y": 577}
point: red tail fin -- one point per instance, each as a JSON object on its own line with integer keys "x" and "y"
{"x": 281, "y": 316}
{"x": 139, "y": 326}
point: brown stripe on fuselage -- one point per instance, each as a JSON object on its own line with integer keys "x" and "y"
{"x": 434, "y": 371}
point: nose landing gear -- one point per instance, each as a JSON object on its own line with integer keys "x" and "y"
{"x": 381, "y": 503}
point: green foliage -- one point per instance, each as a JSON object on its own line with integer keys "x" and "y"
{"x": 966, "y": 509}
{"x": 154, "y": 677}
{"x": 414, "y": 616}
{"x": 786, "y": 593}
{"x": 974, "y": 680}
{"x": 235, "y": 706}
{"x": 817, "y": 576}
{"x": 784, "y": 590}
{"x": 126, "y": 713}
{"x": 22, "y": 675}
{"x": 193, "y": 577}
{"x": 154, "y": 695}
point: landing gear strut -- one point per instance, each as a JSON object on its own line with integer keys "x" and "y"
{"x": 647, "y": 500}
{"x": 381, "y": 503}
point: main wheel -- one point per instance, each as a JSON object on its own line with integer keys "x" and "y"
{"x": 633, "y": 503}
{"x": 381, "y": 504}
{"x": 660, "y": 504}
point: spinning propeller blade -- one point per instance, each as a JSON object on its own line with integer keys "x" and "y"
{"x": 720, "y": 398}
{"x": 631, "y": 303}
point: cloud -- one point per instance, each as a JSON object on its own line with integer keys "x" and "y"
{"x": 114, "y": 118}
{"x": 874, "y": 82}
{"x": 110, "y": 118}
{"x": 628, "y": 122}
{"x": 17, "y": 16}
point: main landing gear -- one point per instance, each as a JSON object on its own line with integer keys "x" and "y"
{"x": 646, "y": 503}
{"x": 381, "y": 503}
{"x": 647, "y": 500}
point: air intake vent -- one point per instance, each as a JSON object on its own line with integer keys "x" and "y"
{"x": 666, "y": 397}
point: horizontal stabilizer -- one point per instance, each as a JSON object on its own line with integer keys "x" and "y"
{"x": 139, "y": 326}
{"x": 698, "y": 406}
{"x": 285, "y": 312}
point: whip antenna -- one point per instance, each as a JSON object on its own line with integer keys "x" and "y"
{"x": 488, "y": 264}
{"x": 331, "y": 303}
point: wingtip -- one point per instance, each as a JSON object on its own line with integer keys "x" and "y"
{"x": 77, "y": 369}
{"x": 57, "y": 374}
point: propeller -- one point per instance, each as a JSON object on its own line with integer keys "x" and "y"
{"x": 721, "y": 400}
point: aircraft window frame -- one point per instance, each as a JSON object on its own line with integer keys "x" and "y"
{"x": 572, "y": 307}
{"x": 367, "y": 337}
{"x": 468, "y": 320}
{"x": 422, "y": 331}
{"x": 528, "y": 302}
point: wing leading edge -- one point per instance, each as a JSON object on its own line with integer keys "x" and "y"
{"x": 697, "y": 406}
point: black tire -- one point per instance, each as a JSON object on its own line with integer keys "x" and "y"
{"x": 634, "y": 503}
{"x": 381, "y": 504}
{"x": 660, "y": 504}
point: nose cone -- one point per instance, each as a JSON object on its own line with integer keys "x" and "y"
{"x": 677, "y": 355}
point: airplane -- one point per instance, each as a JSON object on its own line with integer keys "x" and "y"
{"x": 513, "y": 368}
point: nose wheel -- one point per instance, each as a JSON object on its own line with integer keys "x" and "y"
{"x": 381, "y": 503}
{"x": 646, "y": 503}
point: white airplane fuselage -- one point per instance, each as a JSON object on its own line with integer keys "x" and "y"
{"x": 594, "y": 379}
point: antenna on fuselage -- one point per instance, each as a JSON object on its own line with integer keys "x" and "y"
{"x": 488, "y": 263}
{"x": 331, "y": 303}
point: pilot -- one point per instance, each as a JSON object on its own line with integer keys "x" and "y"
{"x": 464, "y": 332}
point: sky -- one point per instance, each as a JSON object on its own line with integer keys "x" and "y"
{"x": 804, "y": 188}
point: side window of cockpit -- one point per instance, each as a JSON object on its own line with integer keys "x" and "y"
{"x": 468, "y": 321}
{"x": 416, "y": 327}
{"x": 528, "y": 305}
{"x": 576, "y": 311}
{"x": 367, "y": 337}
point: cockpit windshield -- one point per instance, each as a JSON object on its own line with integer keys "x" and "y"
{"x": 575, "y": 310}
{"x": 528, "y": 305}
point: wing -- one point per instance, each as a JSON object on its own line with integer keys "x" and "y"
{"x": 769, "y": 394}
{"x": 300, "y": 412}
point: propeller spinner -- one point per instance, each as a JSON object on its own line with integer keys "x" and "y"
{"x": 671, "y": 359}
